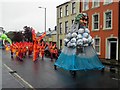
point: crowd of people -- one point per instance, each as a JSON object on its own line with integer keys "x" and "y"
{"x": 37, "y": 49}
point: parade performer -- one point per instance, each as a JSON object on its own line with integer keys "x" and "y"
{"x": 30, "y": 49}
{"x": 35, "y": 51}
{"x": 6, "y": 41}
{"x": 7, "y": 45}
{"x": 53, "y": 51}
{"x": 42, "y": 50}
{"x": 5, "y": 38}
{"x": 56, "y": 52}
{"x": 78, "y": 53}
{"x": 12, "y": 51}
{"x": 35, "y": 44}
{"x": 51, "y": 48}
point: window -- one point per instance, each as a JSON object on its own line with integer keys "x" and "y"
{"x": 73, "y": 8}
{"x": 60, "y": 12}
{"x": 72, "y": 21}
{"x": 108, "y": 20}
{"x": 95, "y": 3}
{"x": 97, "y": 45}
{"x": 66, "y": 26}
{"x": 66, "y": 10}
{"x": 60, "y": 28}
{"x": 60, "y": 44}
{"x": 85, "y": 4}
{"x": 95, "y": 22}
{"x": 108, "y": 1}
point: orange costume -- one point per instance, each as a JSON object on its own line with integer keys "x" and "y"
{"x": 42, "y": 50}
{"x": 30, "y": 50}
{"x": 36, "y": 50}
{"x": 35, "y": 44}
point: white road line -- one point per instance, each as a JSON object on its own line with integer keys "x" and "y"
{"x": 30, "y": 86}
{"x": 8, "y": 67}
{"x": 24, "y": 81}
{"x": 13, "y": 76}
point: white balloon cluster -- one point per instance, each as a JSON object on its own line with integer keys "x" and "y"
{"x": 80, "y": 38}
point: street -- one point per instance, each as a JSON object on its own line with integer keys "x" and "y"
{"x": 41, "y": 74}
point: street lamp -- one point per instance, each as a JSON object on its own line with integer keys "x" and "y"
{"x": 45, "y": 16}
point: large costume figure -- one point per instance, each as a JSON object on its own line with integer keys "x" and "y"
{"x": 4, "y": 37}
{"x": 78, "y": 53}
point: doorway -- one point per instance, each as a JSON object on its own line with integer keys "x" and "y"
{"x": 113, "y": 49}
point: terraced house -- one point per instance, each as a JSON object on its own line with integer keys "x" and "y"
{"x": 66, "y": 13}
{"x": 104, "y": 26}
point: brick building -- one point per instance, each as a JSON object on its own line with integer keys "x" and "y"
{"x": 104, "y": 26}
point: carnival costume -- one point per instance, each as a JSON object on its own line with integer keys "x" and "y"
{"x": 78, "y": 53}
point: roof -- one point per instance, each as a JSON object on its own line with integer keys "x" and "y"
{"x": 52, "y": 32}
{"x": 62, "y": 4}
{"x": 66, "y": 3}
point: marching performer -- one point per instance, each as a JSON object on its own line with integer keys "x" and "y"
{"x": 78, "y": 53}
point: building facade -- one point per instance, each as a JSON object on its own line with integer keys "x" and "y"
{"x": 51, "y": 36}
{"x": 103, "y": 25}
{"x": 66, "y": 13}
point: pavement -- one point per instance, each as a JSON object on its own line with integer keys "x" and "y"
{"x": 113, "y": 65}
{"x": 111, "y": 62}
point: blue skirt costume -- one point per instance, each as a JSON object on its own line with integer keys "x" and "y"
{"x": 87, "y": 60}
{"x": 82, "y": 56}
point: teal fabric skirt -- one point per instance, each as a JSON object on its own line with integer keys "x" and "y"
{"x": 87, "y": 60}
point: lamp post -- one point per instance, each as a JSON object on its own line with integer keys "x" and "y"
{"x": 45, "y": 18}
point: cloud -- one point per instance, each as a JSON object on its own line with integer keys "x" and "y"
{"x": 16, "y": 14}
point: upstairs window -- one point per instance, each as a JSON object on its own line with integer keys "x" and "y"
{"x": 73, "y": 8}
{"x": 60, "y": 12}
{"x": 85, "y": 5}
{"x": 66, "y": 26}
{"x": 95, "y": 3}
{"x": 66, "y": 10}
{"x": 108, "y": 19}
{"x": 108, "y": 1}
{"x": 95, "y": 22}
{"x": 60, "y": 28}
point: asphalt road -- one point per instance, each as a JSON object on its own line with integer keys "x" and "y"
{"x": 41, "y": 74}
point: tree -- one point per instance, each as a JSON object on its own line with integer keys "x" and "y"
{"x": 27, "y": 34}
{"x": 18, "y": 36}
{"x": 10, "y": 34}
{"x": 15, "y": 36}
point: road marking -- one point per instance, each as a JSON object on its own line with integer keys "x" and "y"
{"x": 8, "y": 67}
{"x": 18, "y": 76}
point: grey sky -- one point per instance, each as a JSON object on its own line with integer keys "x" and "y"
{"x": 15, "y": 14}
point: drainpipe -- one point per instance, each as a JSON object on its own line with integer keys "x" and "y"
{"x": 118, "y": 41}
{"x": 80, "y": 9}
{"x": 57, "y": 27}
{"x": 119, "y": 32}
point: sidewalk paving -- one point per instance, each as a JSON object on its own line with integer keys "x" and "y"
{"x": 110, "y": 62}
{"x": 112, "y": 65}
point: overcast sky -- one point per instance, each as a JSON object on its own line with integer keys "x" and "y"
{"x": 15, "y": 14}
